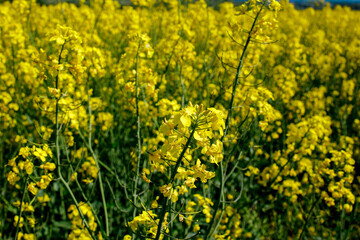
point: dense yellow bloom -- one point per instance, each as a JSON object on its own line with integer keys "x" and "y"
{"x": 32, "y": 188}
{"x": 45, "y": 181}
{"x": 18, "y": 221}
{"x": 127, "y": 237}
{"x": 39, "y": 153}
{"x": 145, "y": 218}
{"x": 43, "y": 199}
{"x": 78, "y": 228}
{"x": 166, "y": 190}
{"x": 29, "y": 167}
{"x": 12, "y": 177}
{"x": 49, "y": 166}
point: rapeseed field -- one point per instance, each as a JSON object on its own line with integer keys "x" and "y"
{"x": 172, "y": 119}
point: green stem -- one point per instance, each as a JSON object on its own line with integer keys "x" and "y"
{"x": 227, "y": 124}
{"x": 172, "y": 177}
{"x": 183, "y": 96}
{"x": 20, "y": 213}
{"x": 308, "y": 217}
{"x": 138, "y": 130}
{"x": 83, "y": 193}
{"x": 98, "y": 169}
{"x": 57, "y": 146}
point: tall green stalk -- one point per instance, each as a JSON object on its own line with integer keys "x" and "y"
{"x": 98, "y": 170}
{"x": 172, "y": 177}
{"x": 58, "y": 154}
{"x": 221, "y": 199}
{"x": 138, "y": 131}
